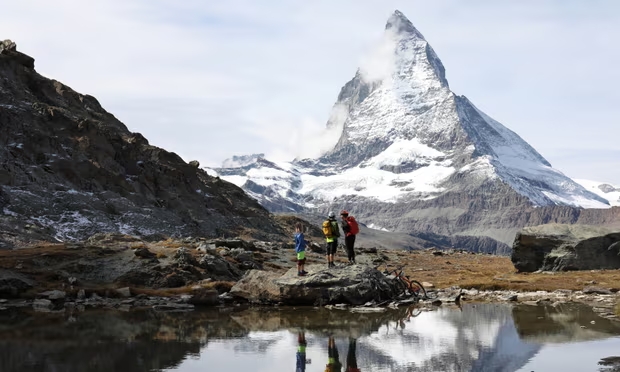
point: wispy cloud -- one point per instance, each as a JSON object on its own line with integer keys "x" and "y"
{"x": 209, "y": 79}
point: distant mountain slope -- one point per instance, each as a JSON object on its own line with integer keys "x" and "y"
{"x": 69, "y": 169}
{"x": 604, "y": 190}
{"x": 413, "y": 157}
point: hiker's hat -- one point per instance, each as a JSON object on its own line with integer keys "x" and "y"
{"x": 344, "y": 213}
{"x": 331, "y": 215}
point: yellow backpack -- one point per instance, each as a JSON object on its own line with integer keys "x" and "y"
{"x": 327, "y": 229}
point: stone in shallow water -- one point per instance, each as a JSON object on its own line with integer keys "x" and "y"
{"x": 54, "y": 295}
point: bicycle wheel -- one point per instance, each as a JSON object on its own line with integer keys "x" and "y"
{"x": 417, "y": 288}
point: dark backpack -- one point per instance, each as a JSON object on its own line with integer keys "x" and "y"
{"x": 353, "y": 226}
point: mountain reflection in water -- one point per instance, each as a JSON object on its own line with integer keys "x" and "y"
{"x": 482, "y": 337}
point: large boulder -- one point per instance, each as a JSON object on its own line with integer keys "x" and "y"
{"x": 557, "y": 247}
{"x": 12, "y": 284}
{"x": 355, "y": 285}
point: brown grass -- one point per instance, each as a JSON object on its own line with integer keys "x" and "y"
{"x": 486, "y": 272}
{"x": 171, "y": 243}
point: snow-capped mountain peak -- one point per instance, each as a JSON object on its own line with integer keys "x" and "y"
{"x": 407, "y": 141}
{"x": 402, "y": 25}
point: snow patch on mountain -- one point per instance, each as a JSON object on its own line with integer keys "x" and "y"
{"x": 375, "y": 183}
{"x": 403, "y": 151}
{"x": 238, "y": 161}
{"x": 602, "y": 189}
{"x": 376, "y": 227}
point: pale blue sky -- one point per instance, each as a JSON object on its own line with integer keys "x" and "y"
{"x": 211, "y": 79}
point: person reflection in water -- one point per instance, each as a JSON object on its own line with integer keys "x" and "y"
{"x": 301, "y": 352}
{"x": 351, "y": 357}
{"x": 333, "y": 359}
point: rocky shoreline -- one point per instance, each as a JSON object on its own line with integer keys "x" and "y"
{"x": 120, "y": 272}
{"x": 603, "y": 304}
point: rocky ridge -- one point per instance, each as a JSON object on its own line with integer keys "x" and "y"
{"x": 70, "y": 169}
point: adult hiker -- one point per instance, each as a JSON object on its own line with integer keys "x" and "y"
{"x": 350, "y": 228}
{"x": 332, "y": 233}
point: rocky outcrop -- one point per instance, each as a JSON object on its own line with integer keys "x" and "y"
{"x": 557, "y": 247}
{"x": 355, "y": 284}
{"x": 69, "y": 169}
{"x": 108, "y": 261}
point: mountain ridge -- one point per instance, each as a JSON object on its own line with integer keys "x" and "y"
{"x": 70, "y": 169}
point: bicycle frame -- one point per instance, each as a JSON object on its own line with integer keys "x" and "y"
{"x": 414, "y": 287}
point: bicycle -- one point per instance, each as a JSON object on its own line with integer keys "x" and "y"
{"x": 409, "y": 286}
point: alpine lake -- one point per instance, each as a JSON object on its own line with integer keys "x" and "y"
{"x": 474, "y": 337}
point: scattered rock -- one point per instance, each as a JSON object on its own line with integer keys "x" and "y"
{"x": 12, "y": 284}
{"x": 206, "y": 248}
{"x": 54, "y": 295}
{"x": 7, "y": 46}
{"x": 144, "y": 253}
{"x": 42, "y": 304}
{"x": 218, "y": 268}
{"x": 183, "y": 257}
{"x": 124, "y": 292}
{"x": 596, "y": 290}
{"x": 204, "y": 297}
{"x": 557, "y": 247}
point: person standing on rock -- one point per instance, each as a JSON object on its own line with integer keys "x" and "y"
{"x": 300, "y": 248}
{"x": 332, "y": 233}
{"x": 350, "y": 228}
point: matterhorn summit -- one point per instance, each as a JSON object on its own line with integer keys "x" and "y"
{"x": 414, "y": 157}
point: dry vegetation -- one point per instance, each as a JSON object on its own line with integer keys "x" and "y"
{"x": 487, "y": 272}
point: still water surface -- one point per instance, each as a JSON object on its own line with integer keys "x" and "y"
{"x": 482, "y": 337}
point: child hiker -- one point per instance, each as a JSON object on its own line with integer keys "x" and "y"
{"x": 300, "y": 248}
